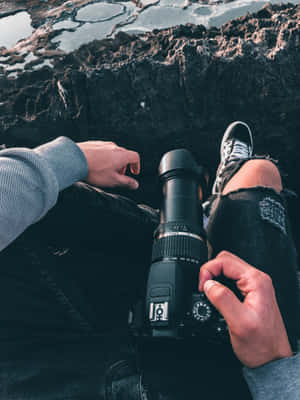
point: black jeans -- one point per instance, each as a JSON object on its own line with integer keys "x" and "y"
{"x": 67, "y": 284}
{"x": 254, "y": 224}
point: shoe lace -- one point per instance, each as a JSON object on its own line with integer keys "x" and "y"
{"x": 227, "y": 150}
{"x": 231, "y": 151}
{"x": 240, "y": 150}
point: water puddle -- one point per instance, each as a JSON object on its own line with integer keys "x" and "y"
{"x": 67, "y": 24}
{"x": 226, "y": 12}
{"x": 157, "y": 17}
{"x": 99, "y": 19}
{"x": 99, "y": 12}
{"x": 202, "y": 11}
{"x": 173, "y": 3}
{"x": 14, "y": 28}
{"x": 74, "y": 23}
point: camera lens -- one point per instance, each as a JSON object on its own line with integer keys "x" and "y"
{"x": 180, "y": 234}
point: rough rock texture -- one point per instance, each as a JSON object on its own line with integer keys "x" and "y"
{"x": 177, "y": 87}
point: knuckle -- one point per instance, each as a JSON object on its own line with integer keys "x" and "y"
{"x": 134, "y": 153}
{"x": 267, "y": 278}
{"x": 267, "y": 282}
{"x": 253, "y": 275}
{"x": 224, "y": 254}
{"x": 202, "y": 271}
{"x": 218, "y": 292}
{"x": 263, "y": 280}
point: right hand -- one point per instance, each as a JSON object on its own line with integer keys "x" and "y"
{"x": 107, "y": 164}
{"x": 256, "y": 328}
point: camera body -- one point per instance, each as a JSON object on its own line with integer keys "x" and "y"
{"x": 173, "y": 306}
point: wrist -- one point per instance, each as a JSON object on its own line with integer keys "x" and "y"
{"x": 257, "y": 362}
{"x": 66, "y": 160}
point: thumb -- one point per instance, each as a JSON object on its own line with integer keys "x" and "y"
{"x": 225, "y": 301}
{"x": 127, "y": 182}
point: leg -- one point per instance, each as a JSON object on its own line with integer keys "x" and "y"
{"x": 249, "y": 219}
{"x": 255, "y": 173}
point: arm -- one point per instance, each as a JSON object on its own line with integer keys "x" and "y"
{"x": 257, "y": 332}
{"x": 30, "y": 180}
{"x": 276, "y": 380}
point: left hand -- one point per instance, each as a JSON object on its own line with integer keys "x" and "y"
{"x": 107, "y": 164}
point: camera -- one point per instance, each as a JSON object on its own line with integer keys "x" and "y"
{"x": 173, "y": 306}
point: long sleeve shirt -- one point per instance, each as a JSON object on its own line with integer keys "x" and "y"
{"x": 30, "y": 181}
{"x": 278, "y": 380}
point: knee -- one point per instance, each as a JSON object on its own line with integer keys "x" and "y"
{"x": 259, "y": 172}
{"x": 263, "y": 170}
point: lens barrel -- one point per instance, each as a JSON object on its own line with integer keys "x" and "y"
{"x": 181, "y": 215}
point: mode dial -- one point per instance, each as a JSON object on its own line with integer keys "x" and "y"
{"x": 201, "y": 311}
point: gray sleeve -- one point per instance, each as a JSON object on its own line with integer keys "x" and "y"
{"x": 30, "y": 181}
{"x": 278, "y": 380}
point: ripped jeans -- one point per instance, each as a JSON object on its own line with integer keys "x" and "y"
{"x": 253, "y": 224}
{"x": 67, "y": 284}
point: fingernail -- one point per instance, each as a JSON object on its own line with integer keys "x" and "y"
{"x": 208, "y": 285}
{"x": 135, "y": 185}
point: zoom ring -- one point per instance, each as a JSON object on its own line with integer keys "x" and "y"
{"x": 178, "y": 246}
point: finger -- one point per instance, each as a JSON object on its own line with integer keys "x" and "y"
{"x": 225, "y": 263}
{"x": 225, "y": 302}
{"x": 123, "y": 170}
{"x": 127, "y": 182}
{"x": 133, "y": 158}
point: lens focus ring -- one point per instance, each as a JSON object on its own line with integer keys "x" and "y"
{"x": 179, "y": 246}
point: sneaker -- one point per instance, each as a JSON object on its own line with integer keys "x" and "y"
{"x": 237, "y": 144}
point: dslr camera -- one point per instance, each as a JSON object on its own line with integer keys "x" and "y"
{"x": 173, "y": 307}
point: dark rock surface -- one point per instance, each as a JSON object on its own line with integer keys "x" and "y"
{"x": 177, "y": 87}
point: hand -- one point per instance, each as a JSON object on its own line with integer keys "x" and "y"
{"x": 107, "y": 164}
{"x": 256, "y": 328}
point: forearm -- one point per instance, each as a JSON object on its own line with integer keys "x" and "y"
{"x": 278, "y": 380}
{"x": 30, "y": 181}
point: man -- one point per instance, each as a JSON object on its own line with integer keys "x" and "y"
{"x": 31, "y": 180}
